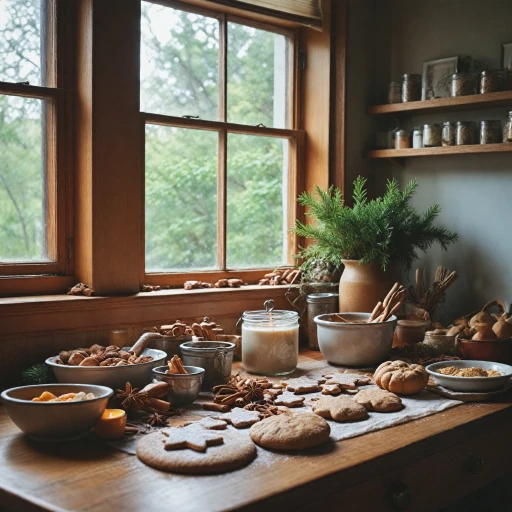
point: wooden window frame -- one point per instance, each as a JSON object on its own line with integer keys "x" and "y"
{"x": 294, "y": 136}
{"x": 55, "y": 275}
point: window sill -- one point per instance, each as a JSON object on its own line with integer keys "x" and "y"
{"x": 22, "y": 316}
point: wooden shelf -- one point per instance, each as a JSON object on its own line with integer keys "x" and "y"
{"x": 440, "y": 151}
{"x": 475, "y": 101}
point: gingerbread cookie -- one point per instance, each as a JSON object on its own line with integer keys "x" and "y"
{"x": 289, "y": 400}
{"x": 209, "y": 423}
{"x": 240, "y": 418}
{"x": 302, "y": 385}
{"x": 330, "y": 389}
{"x": 340, "y": 408}
{"x": 378, "y": 400}
{"x": 292, "y": 431}
{"x": 348, "y": 380}
{"x": 235, "y": 452}
{"x": 193, "y": 436}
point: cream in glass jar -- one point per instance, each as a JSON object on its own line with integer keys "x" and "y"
{"x": 270, "y": 341}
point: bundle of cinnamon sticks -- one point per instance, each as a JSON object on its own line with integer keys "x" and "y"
{"x": 391, "y": 304}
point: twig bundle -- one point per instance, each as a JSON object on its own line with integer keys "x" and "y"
{"x": 392, "y": 303}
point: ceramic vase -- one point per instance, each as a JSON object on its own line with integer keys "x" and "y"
{"x": 363, "y": 285}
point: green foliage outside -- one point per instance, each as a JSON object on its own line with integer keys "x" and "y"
{"x": 179, "y": 77}
{"x": 387, "y": 230}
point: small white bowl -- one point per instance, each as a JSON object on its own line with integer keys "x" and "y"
{"x": 471, "y": 384}
{"x": 55, "y": 421}
{"x": 355, "y": 344}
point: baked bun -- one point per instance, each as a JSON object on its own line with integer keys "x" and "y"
{"x": 400, "y": 377}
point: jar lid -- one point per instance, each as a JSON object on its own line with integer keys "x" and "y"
{"x": 418, "y": 128}
{"x": 322, "y": 297}
{"x": 432, "y": 125}
{"x": 401, "y": 133}
{"x": 491, "y": 72}
{"x": 449, "y": 123}
{"x": 411, "y": 76}
{"x": 491, "y": 121}
{"x": 466, "y": 123}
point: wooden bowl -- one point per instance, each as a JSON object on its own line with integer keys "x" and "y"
{"x": 494, "y": 350}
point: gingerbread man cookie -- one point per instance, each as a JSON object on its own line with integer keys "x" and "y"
{"x": 348, "y": 380}
{"x": 289, "y": 400}
{"x": 302, "y": 385}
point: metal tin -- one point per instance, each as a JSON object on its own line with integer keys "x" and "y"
{"x": 183, "y": 387}
{"x": 216, "y": 357}
{"x": 319, "y": 304}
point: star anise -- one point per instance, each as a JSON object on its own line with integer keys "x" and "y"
{"x": 265, "y": 409}
{"x": 132, "y": 398}
{"x": 157, "y": 420}
{"x": 240, "y": 391}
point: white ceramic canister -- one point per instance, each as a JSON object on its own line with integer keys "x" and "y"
{"x": 270, "y": 341}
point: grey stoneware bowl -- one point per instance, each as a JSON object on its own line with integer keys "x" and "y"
{"x": 355, "y": 344}
{"x": 55, "y": 421}
{"x": 115, "y": 377}
{"x": 183, "y": 388}
{"x": 471, "y": 384}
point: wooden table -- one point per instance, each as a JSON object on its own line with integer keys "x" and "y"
{"x": 433, "y": 461}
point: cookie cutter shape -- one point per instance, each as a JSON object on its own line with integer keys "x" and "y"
{"x": 348, "y": 380}
{"x": 240, "y": 418}
{"x": 289, "y": 400}
{"x": 209, "y": 423}
{"x": 339, "y": 409}
{"x": 302, "y": 385}
{"x": 194, "y": 436}
{"x": 379, "y": 400}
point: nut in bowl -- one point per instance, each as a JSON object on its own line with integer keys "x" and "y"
{"x": 469, "y": 384}
{"x": 355, "y": 342}
{"x": 52, "y": 421}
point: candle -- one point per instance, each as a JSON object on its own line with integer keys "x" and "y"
{"x": 270, "y": 342}
{"x": 111, "y": 425}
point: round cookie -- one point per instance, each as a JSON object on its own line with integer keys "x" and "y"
{"x": 233, "y": 453}
{"x": 293, "y": 431}
{"x": 378, "y": 400}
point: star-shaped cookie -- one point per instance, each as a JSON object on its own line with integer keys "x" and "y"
{"x": 340, "y": 408}
{"x": 302, "y": 385}
{"x": 330, "y": 389}
{"x": 240, "y": 418}
{"x": 348, "y": 380}
{"x": 194, "y": 436}
{"x": 289, "y": 400}
{"x": 209, "y": 423}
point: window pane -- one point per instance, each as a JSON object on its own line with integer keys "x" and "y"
{"x": 257, "y": 76}
{"x": 22, "y": 183}
{"x": 256, "y": 201}
{"x": 181, "y": 199}
{"x": 179, "y": 68}
{"x": 21, "y": 41}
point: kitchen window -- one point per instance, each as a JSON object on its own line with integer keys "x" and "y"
{"x": 33, "y": 148}
{"x": 218, "y": 99}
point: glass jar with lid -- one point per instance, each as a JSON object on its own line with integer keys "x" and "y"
{"x": 431, "y": 135}
{"x": 395, "y": 92}
{"x": 270, "y": 341}
{"x": 466, "y": 133}
{"x": 402, "y": 139}
{"x": 490, "y": 132}
{"x": 417, "y": 137}
{"x": 462, "y": 84}
{"x": 411, "y": 87}
{"x": 507, "y": 131}
{"x": 491, "y": 81}
{"x": 448, "y": 134}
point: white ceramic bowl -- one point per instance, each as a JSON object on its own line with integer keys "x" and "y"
{"x": 471, "y": 384}
{"x": 115, "y": 377}
{"x": 55, "y": 421}
{"x": 355, "y": 344}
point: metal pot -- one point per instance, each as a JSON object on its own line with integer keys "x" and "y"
{"x": 216, "y": 357}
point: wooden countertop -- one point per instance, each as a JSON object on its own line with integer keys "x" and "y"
{"x": 89, "y": 476}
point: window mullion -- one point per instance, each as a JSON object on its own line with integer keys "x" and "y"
{"x": 223, "y": 68}
{"x": 222, "y": 198}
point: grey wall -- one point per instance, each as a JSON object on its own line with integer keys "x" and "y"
{"x": 475, "y": 192}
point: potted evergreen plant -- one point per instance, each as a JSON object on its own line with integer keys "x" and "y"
{"x": 372, "y": 238}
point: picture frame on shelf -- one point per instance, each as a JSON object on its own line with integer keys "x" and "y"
{"x": 506, "y": 56}
{"x": 436, "y": 77}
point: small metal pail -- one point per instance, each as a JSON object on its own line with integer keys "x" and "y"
{"x": 216, "y": 357}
